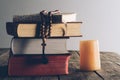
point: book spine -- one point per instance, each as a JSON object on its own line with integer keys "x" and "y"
{"x": 27, "y": 18}
{"x": 35, "y": 18}
{"x": 11, "y": 28}
{"x": 56, "y": 18}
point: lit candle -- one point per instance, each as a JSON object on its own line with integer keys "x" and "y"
{"x": 89, "y": 55}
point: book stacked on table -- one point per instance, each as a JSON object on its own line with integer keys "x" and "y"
{"x": 63, "y": 25}
{"x": 26, "y": 50}
{"x": 26, "y": 58}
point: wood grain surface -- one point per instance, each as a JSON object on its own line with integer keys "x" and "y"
{"x": 110, "y": 64}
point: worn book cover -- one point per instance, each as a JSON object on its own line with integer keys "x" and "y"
{"x": 32, "y": 66}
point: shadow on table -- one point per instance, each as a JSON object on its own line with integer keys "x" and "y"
{"x": 4, "y": 71}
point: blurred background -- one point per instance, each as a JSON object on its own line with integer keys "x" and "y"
{"x": 101, "y": 19}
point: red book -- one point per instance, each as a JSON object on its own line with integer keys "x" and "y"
{"x": 32, "y": 66}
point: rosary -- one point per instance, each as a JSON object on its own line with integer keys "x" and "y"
{"x": 46, "y": 20}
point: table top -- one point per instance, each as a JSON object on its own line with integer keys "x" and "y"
{"x": 110, "y": 68}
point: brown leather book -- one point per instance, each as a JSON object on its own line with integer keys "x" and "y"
{"x": 32, "y": 66}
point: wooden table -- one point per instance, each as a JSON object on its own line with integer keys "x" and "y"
{"x": 110, "y": 63}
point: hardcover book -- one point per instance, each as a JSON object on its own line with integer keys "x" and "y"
{"x": 22, "y": 46}
{"x": 63, "y": 17}
{"x": 32, "y": 66}
{"x": 31, "y": 29}
{"x": 56, "y": 18}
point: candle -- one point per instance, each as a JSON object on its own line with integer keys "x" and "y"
{"x": 89, "y": 55}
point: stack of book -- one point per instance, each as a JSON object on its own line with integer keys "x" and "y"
{"x": 26, "y": 48}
